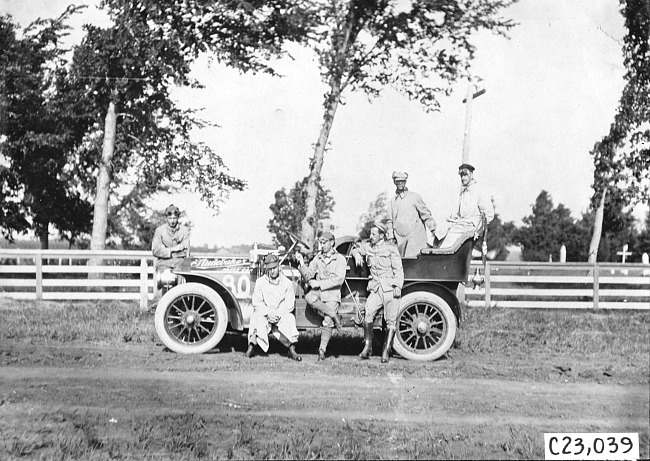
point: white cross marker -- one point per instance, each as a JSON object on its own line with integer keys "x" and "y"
{"x": 624, "y": 253}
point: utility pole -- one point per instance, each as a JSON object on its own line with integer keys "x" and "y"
{"x": 471, "y": 95}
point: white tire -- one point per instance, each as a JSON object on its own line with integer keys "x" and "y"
{"x": 426, "y": 327}
{"x": 191, "y": 318}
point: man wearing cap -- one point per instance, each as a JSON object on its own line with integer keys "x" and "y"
{"x": 471, "y": 204}
{"x": 170, "y": 241}
{"x": 384, "y": 286}
{"x": 273, "y": 303}
{"x": 325, "y": 273}
{"x": 170, "y": 245}
{"x": 408, "y": 218}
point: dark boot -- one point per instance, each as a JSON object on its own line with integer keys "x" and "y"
{"x": 293, "y": 355}
{"x": 250, "y": 352}
{"x": 388, "y": 345}
{"x": 367, "y": 337}
{"x": 325, "y": 335}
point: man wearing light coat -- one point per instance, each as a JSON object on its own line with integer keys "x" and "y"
{"x": 472, "y": 202}
{"x": 409, "y": 220}
{"x": 273, "y": 304}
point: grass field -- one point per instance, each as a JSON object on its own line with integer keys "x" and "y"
{"x": 496, "y": 330}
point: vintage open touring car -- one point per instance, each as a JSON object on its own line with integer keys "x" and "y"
{"x": 207, "y": 296}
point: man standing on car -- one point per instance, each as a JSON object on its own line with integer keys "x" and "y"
{"x": 408, "y": 218}
{"x": 471, "y": 204}
{"x": 384, "y": 286}
{"x": 170, "y": 244}
{"x": 325, "y": 273}
{"x": 273, "y": 304}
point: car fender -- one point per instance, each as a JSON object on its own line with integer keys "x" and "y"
{"x": 436, "y": 288}
{"x": 235, "y": 317}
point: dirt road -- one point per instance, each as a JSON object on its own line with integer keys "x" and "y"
{"x": 140, "y": 400}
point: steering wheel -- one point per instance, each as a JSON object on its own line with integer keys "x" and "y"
{"x": 297, "y": 239}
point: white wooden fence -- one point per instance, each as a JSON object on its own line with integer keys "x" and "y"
{"x": 128, "y": 275}
{"x": 562, "y": 285}
{"x": 65, "y": 275}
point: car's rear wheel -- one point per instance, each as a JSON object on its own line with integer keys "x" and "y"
{"x": 191, "y": 319}
{"x": 426, "y": 327}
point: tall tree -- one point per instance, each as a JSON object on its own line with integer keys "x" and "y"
{"x": 148, "y": 50}
{"x": 547, "y": 229}
{"x": 136, "y": 136}
{"x": 289, "y": 210}
{"x": 35, "y": 136}
{"x": 367, "y": 45}
{"x": 622, "y": 157}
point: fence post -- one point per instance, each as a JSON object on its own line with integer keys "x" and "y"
{"x": 39, "y": 275}
{"x": 488, "y": 298}
{"x": 144, "y": 284}
{"x": 596, "y": 284}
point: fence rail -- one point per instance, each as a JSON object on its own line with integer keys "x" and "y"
{"x": 128, "y": 275}
{"x": 562, "y": 285}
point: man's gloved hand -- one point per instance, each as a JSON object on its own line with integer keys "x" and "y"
{"x": 358, "y": 259}
{"x": 273, "y": 318}
{"x": 397, "y": 292}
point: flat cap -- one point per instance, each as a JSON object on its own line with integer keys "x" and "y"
{"x": 327, "y": 235}
{"x": 466, "y": 166}
{"x": 271, "y": 261}
{"x": 400, "y": 176}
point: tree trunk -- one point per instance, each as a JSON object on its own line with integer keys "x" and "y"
{"x": 43, "y": 234}
{"x": 598, "y": 229}
{"x": 309, "y": 224}
{"x": 100, "y": 214}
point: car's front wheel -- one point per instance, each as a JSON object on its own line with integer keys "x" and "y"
{"x": 191, "y": 319}
{"x": 426, "y": 327}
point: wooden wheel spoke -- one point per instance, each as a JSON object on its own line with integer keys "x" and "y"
{"x": 202, "y": 328}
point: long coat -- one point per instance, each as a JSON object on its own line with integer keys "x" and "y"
{"x": 408, "y": 220}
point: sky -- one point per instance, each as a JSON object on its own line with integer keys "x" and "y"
{"x": 552, "y": 90}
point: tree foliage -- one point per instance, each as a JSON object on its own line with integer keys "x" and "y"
{"x": 35, "y": 134}
{"x": 550, "y": 227}
{"x": 136, "y": 70}
{"x": 377, "y": 211}
{"x": 547, "y": 229}
{"x": 622, "y": 157}
{"x": 499, "y": 236}
{"x": 289, "y": 210}
{"x": 618, "y": 229}
{"x": 367, "y": 45}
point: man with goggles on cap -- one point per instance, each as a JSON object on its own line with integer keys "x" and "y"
{"x": 326, "y": 274}
{"x": 472, "y": 203}
{"x": 273, "y": 304}
{"x": 170, "y": 244}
